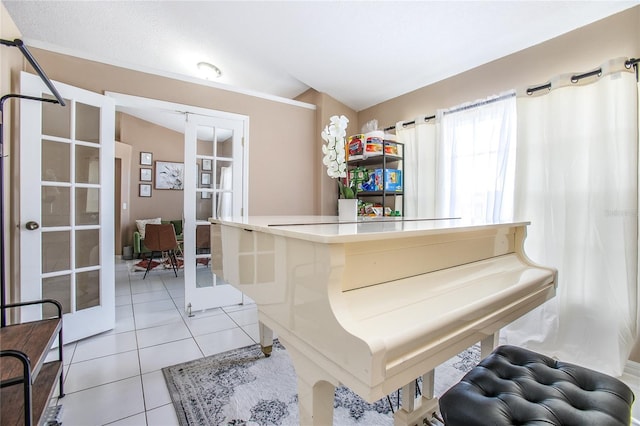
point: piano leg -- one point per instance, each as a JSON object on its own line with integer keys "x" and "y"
{"x": 316, "y": 390}
{"x": 315, "y": 402}
{"x": 408, "y": 399}
{"x": 428, "y": 384}
{"x": 266, "y": 339}
{"x": 414, "y": 412}
{"x": 488, "y": 344}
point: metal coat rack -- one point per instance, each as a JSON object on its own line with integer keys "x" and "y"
{"x": 58, "y": 100}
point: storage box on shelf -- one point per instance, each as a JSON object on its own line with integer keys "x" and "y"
{"x": 391, "y": 181}
{"x": 383, "y": 158}
{"x": 27, "y": 382}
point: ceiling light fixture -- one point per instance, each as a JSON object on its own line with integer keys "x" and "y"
{"x": 209, "y": 71}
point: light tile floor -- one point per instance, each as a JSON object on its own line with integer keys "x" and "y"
{"x": 115, "y": 378}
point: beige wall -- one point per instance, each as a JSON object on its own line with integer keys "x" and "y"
{"x": 326, "y": 187}
{"x": 581, "y": 50}
{"x": 281, "y": 147}
{"x": 165, "y": 145}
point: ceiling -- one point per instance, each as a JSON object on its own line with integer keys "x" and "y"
{"x": 359, "y": 52}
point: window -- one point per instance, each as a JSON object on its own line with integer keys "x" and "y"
{"x": 476, "y": 167}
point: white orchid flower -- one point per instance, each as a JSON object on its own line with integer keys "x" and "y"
{"x": 332, "y": 156}
{"x": 340, "y": 122}
{"x": 334, "y": 150}
{"x": 325, "y": 134}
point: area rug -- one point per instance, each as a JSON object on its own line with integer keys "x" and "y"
{"x": 241, "y": 388}
{"x": 166, "y": 264}
{"x": 142, "y": 265}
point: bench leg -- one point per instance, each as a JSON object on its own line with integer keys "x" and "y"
{"x": 414, "y": 411}
{"x": 488, "y": 344}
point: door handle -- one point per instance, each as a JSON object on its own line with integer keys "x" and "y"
{"x": 32, "y": 226}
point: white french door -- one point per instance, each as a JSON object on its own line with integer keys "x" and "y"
{"x": 215, "y": 180}
{"x": 66, "y": 206}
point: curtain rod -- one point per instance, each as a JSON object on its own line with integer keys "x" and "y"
{"x": 409, "y": 123}
{"x": 458, "y": 109}
{"x": 20, "y": 45}
{"x": 577, "y": 77}
{"x": 633, "y": 62}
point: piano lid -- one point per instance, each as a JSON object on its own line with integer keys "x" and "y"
{"x": 328, "y": 229}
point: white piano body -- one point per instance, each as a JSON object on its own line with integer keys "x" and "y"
{"x": 375, "y": 304}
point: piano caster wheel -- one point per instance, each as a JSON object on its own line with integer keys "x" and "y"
{"x": 266, "y": 350}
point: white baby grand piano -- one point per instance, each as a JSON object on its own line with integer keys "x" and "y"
{"x": 375, "y": 304}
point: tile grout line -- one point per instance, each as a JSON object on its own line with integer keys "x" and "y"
{"x": 135, "y": 332}
{"x": 128, "y": 281}
{"x": 184, "y": 321}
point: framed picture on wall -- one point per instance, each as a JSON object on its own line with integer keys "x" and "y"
{"x": 146, "y": 158}
{"x": 145, "y": 190}
{"x": 145, "y": 175}
{"x": 205, "y": 179}
{"x": 169, "y": 175}
{"x": 206, "y": 164}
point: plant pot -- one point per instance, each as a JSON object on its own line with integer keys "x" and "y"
{"x": 127, "y": 253}
{"x": 347, "y": 209}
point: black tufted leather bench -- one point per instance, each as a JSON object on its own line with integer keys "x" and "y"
{"x": 515, "y": 386}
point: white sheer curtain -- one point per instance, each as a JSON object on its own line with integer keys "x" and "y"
{"x": 419, "y": 167}
{"x": 476, "y": 160}
{"x": 576, "y": 181}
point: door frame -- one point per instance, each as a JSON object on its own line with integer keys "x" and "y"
{"x": 149, "y": 104}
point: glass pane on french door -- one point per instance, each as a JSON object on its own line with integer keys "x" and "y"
{"x": 70, "y": 173}
{"x": 218, "y": 157}
{"x": 214, "y": 193}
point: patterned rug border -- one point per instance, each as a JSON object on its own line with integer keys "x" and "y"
{"x": 233, "y": 368}
{"x": 224, "y": 357}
